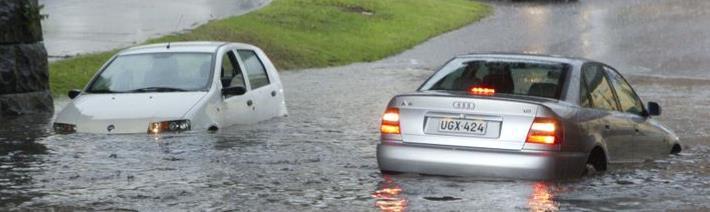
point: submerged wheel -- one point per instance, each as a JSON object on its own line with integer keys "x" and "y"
{"x": 676, "y": 149}
{"x": 212, "y": 129}
{"x": 386, "y": 172}
{"x": 596, "y": 162}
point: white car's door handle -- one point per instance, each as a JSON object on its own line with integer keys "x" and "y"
{"x": 273, "y": 93}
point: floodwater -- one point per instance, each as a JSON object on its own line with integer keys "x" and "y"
{"x": 84, "y": 26}
{"x": 322, "y": 156}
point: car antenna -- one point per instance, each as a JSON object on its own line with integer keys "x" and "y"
{"x": 176, "y": 28}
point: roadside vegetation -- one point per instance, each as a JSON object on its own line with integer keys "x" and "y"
{"x": 311, "y": 33}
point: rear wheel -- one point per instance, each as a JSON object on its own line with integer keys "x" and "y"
{"x": 596, "y": 162}
{"x": 676, "y": 149}
{"x": 386, "y": 172}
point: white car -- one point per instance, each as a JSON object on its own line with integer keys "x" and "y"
{"x": 176, "y": 87}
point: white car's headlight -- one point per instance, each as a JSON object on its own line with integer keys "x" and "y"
{"x": 169, "y": 126}
{"x": 63, "y": 128}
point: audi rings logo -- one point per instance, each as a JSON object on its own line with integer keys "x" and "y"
{"x": 464, "y": 105}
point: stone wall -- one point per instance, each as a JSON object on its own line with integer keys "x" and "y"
{"x": 24, "y": 77}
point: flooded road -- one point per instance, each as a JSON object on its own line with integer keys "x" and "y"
{"x": 322, "y": 157}
{"x": 84, "y": 26}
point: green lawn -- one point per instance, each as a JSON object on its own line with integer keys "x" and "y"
{"x": 311, "y": 33}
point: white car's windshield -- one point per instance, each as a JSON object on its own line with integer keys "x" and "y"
{"x": 506, "y": 77}
{"x": 155, "y": 72}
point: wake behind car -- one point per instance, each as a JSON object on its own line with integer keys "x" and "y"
{"x": 176, "y": 87}
{"x": 520, "y": 116}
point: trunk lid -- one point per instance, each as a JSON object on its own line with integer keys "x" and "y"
{"x": 459, "y": 120}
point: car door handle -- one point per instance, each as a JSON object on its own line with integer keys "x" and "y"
{"x": 273, "y": 93}
{"x": 607, "y": 127}
{"x": 250, "y": 103}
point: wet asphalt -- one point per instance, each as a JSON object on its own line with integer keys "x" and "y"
{"x": 322, "y": 156}
{"x": 84, "y": 26}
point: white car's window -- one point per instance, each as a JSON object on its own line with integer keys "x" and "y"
{"x": 628, "y": 100}
{"x": 155, "y": 72}
{"x": 507, "y": 77}
{"x": 599, "y": 88}
{"x": 231, "y": 75}
{"x": 255, "y": 69}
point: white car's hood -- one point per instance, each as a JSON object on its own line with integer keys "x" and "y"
{"x": 126, "y": 113}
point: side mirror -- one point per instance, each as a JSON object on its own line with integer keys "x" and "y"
{"x": 654, "y": 109}
{"x": 73, "y": 93}
{"x": 234, "y": 91}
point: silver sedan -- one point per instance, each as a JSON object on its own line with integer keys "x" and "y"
{"x": 520, "y": 116}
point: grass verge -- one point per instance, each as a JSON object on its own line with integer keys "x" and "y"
{"x": 311, "y": 33}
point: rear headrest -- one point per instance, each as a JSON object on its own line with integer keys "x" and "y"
{"x": 500, "y": 82}
{"x": 548, "y": 90}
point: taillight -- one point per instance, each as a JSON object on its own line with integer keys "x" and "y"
{"x": 481, "y": 91}
{"x": 390, "y": 121}
{"x": 545, "y": 131}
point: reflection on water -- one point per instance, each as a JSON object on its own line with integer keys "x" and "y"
{"x": 389, "y": 196}
{"x": 536, "y": 28}
{"x": 20, "y": 156}
{"x": 83, "y": 26}
{"x": 542, "y": 198}
{"x": 594, "y": 41}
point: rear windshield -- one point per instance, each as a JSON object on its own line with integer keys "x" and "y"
{"x": 539, "y": 79}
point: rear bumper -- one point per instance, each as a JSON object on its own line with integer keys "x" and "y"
{"x": 437, "y": 160}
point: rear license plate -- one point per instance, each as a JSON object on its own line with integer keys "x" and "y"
{"x": 475, "y": 127}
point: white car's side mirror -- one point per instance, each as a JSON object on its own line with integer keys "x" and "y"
{"x": 73, "y": 93}
{"x": 654, "y": 109}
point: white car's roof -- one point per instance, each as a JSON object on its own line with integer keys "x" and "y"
{"x": 198, "y": 46}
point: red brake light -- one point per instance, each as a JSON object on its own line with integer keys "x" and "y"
{"x": 481, "y": 91}
{"x": 545, "y": 131}
{"x": 390, "y": 121}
